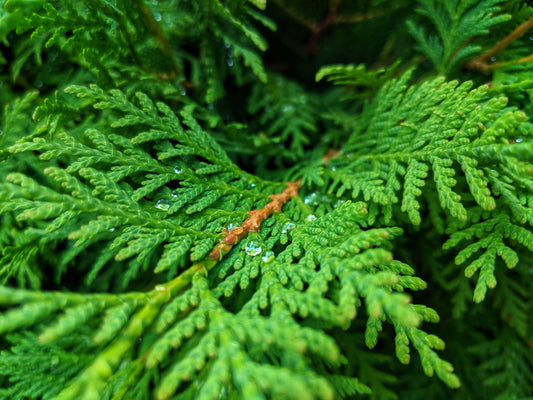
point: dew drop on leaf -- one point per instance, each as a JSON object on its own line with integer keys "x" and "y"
{"x": 232, "y": 225}
{"x": 288, "y": 109}
{"x": 162, "y": 205}
{"x": 311, "y": 199}
{"x": 310, "y": 218}
{"x": 268, "y": 256}
{"x": 178, "y": 170}
{"x": 289, "y": 226}
{"x": 253, "y": 248}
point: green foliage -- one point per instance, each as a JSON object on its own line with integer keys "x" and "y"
{"x": 151, "y": 248}
{"x": 456, "y": 23}
{"x": 360, "y": 82}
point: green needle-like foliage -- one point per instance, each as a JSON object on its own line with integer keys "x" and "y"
{"x": 189, "y": 209}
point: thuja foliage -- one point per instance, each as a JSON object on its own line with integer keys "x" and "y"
{"x": 239, "y": 200}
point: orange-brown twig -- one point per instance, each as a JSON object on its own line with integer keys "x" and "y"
{"x": 253, "y": 222}
{"x": 161, "y": 41}
{"x": 329, "y": 155}
{"x": 480, "y": 63}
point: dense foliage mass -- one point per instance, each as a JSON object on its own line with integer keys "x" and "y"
{"x": 228, "y": 199}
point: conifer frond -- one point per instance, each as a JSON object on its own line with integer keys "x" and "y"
{"x": 489, "y": 240}
{"x": 506, "y": 363}
{"x": 406, "y": 137}
{"x": 456, "y": 24}
{"x": 359, "y": 82}
{"x": 229, "y": 344}
{"x": 286, "y": 115}
{"x": 113, "y": 189}
{"x": 113, "y": 35}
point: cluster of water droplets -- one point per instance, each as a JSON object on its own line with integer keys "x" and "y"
{"x": 312, "y": 199}
{"x": 253, "y": 248}
{"x": 229, "y": 53}
{"x": 165, "y": 204}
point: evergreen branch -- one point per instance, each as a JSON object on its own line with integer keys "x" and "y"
{"x": 360, "y": 82}
{"x": 161, "y": 40}
{"x": 253, "y": 223}
{"x": 481, "y": 62}
{"x": 456, "y": 24}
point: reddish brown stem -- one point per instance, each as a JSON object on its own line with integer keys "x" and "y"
{"x": 161, "y": 41}
{"x": 480, "y": 63}
{"x": 253, "y": 222}
{"x": 330, "y": 154}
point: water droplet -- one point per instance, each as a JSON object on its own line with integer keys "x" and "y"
{"x": 519, "y": 140}
{"x": 178, "y": 170}
{"x": 39, "y": 84}
{"x": 493, "y": 58}
{"x": 230, "y": 61}
{"x": 338, "y": 203}
{"x": 312, "y": 199}
{"x": 253, "y": 248}
{"x": 289, "y": 226}
{"x": 174, "y": 194}
{"x": 162, "y": 205}
{"x": 232, "y": 225}
{"x": 227, "y": 45}
{"x": 310, "y": 218}
{"x": 111, "y": 229}
{"x": 252, "y": 185}
{"x": 531, "y": 38}
{"x": 268, "y": 256}
{"x": 157, "y": 16}
{"x": 287, "y": 108}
